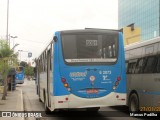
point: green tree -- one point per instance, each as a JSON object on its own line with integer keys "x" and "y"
{"x": 29, "y": 71}
{"x": 7, "y": 58}
{"x": 23, "y": 63}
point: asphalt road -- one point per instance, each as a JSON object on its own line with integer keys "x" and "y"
{"x": 31, "y": 103}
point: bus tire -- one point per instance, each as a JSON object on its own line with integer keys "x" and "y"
{"x": 37, "y": 89}
{"x": 46, "y": 109}
{"x": 133, "y": 103}
{"x": 40, "y": 100}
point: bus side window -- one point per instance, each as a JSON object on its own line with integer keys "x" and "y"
{"x": 110, "y": 51}
{"x": 114, "y": 50}
{"x": 126, "y": 66}
{"x": 150, "y": 65}
{"x": 140, "y": 65}
{"x": 40, "y": 64}
{"x": 131, "y": 68}
{"x": 137, "y": 70}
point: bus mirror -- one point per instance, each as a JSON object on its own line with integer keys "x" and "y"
{"x": 55, "y": 38}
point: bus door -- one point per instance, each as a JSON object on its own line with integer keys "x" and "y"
{"x": 133, "y": 78}
{"x": 137, "y": 79}
{"x": 49, "y": 78}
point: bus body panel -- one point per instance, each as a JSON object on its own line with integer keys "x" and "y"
{"x": 19, "y": 75}
{"x": 81, "y": 83}
{"x": 58, "y": 89}
{"x": 146, "y": 85}
{"x": 78, "y": 102}
{"x": 19, "y": 78}
{"x": 122, "y": 87}
{"x": 81, "y": 91}
{"x": 43, "y": 84}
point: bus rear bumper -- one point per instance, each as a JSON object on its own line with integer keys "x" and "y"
{"x": 19, "y": 81}
{"x": 73, "y": 101}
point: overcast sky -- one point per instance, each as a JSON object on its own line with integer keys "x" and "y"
{"x": 35, "y": 21}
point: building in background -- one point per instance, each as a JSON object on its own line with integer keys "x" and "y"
{"x": 131, "y": 34}
{"x": 143, "y": 14}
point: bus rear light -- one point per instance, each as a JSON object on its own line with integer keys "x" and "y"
{"x": 123, "y": 99}
{"x": 66, "y": 99}
{"x": 63, "y": 80}
{"x": 117, "y": 96}
{"x": 69, "y": 89}
{"x": 118, "y": 78}
{"x": 114, "y": 87}
{"x": 60, "y": 101}
{"x": 66, "y": 85}
{"x": 116, "y": 83}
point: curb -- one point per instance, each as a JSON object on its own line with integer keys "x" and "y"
{"x": 22, "y": 108}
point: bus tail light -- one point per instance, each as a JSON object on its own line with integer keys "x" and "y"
{"x": 123, "y": 99}
{"x": 114, "y": 87}
{"x": 66, "y": 99}
{"x": 117, "y": 96}
{"x": 66, "y": 85}
{"x": 63, "y": 80}
{"x": 116, "y": 83}
{"x": 60, "y": 101}
{"x": 69, "y": 89}
{"x": 118, "y": 78}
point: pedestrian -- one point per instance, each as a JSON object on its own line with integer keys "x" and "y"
{"x": 9, "y": 80}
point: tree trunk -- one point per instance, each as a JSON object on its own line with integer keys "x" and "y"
{"x": 5, "y": 83}
{"x": 4, "y": 90}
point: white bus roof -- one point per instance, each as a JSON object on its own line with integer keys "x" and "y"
{"x": 141, "y": 44}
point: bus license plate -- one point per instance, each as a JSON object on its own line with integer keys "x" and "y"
{"x": 92, "y": 91}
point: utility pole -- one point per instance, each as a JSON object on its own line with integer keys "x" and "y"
{"x": 7, "y": 21}
{"x": 13, "y": 37}
{"x": 5, "y": 76}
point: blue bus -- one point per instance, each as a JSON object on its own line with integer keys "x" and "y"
{"x": 82, "y": 69}
{"x": 19, "y": 75}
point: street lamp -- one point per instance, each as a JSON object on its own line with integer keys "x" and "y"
{"x": 13, "y": 38}
{"x": 7, "y": 19}
{"x": 14, "y": 46}
{"x": 20, "y": 54}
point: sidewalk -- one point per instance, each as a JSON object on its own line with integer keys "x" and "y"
{"x": 13, "y": 102}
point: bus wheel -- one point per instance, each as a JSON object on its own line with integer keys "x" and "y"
{"x": 133, "y": 103}
{"x": 40, "y": 100}
{"x": 46, "y": 109}
{"x": 37, "y": 89}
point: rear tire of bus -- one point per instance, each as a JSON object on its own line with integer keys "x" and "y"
{"x": 40, "y": 100}
{"x": 46, "y": 109}
{"x": 37, "y": 89}
{"x": 133, "y": 103}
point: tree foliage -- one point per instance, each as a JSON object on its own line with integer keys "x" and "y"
{"x": 7, "y": 58}
{"x": 5, "y": 51}
{"x": 29, "y": 71}
{"x": 23, "y": 63}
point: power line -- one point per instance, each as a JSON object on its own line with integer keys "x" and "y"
{"x": 32, "y": 41}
